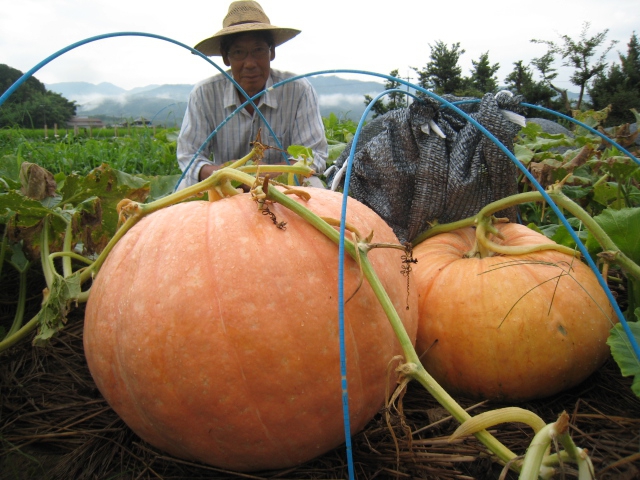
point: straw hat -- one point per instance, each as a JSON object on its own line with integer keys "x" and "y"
{"x": 244, "y": 16}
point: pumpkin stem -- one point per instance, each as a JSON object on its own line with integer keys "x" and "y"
{"x": 537, "y": 461}
{"x": 491, "y": 418}
{"x": 336, "y": 223}
{"x": 486, "y": 247}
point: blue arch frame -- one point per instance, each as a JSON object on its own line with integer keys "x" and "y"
{"x": 443, "y": 102}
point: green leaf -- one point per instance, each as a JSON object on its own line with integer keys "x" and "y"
{"x": 522, "y": 153}
{"x": 575, "y": 192}
{"x": 547, "y": 230}
{"x": 10, "y": 171}
{"x": 298, "y": 151}
{"x": 618, "y": 165}
{"x": 30, "y": 211}
{"x": 161, "y": 186}
{"x": 623, "y": 227}
{"x": 563, "y": 237}
{"x": 18, "y": 258}
{"x": 623, "y": 353}
{"x": 547, "y": 141}
{"x": 335, "y": 150}
{"x": 605, "y": 193}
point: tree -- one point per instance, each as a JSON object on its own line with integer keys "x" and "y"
{"x": 442, "y": 73}
{"x": 521, "y": 82}
{"x": 579, "y": 56}
{"x": 31, "y": 105}
{"x": 548, "y": 74}
{"x": 483, "y": 74}
{"x": 394, "y": 100}
{"x": 619, "y": 86}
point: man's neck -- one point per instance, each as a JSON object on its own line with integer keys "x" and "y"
{"x": 249, "y": 107}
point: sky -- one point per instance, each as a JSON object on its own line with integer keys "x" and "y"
{"x": 337, "y": 35}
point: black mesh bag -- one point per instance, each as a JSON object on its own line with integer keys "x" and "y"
{"x": 427, "y": 164}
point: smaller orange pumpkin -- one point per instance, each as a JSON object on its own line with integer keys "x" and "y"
{"x": 510, "y": 328}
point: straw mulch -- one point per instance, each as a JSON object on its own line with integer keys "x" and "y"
{"x": 54, "y": 424}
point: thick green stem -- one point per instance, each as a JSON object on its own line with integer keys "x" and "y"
{"x": 486, "y": 247}
{"x": 67, "y": 268}
{"x": 19, "y": 331}
{"x": 22, "y": 300}
{"x": 598, "y": 233}
{"x": 537, "y": 458}
{"x": 47, "y": 265}
{"x": 219, "y": 176}
{"x": 412, "y": 367}
{"x": 562, "y": 201}
{"x": 4, "y": 244}
{"x": 487, "y": 211}
{"x": 536, "y": 452}
{"x": 443, "y": 228}
{"x": 22, "y": 333}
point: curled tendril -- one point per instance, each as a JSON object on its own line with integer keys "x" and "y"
{"x": 407, "y": 261}
{"x": 280, "y": 225}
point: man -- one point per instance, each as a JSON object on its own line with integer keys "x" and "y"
{"x": 247, "y": 44}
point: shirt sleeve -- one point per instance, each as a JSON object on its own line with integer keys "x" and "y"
{"x": 309, "y": 130}
{"x": 193, "y": 133}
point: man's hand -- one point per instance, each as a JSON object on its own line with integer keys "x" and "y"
{"x": 206, "y": 171}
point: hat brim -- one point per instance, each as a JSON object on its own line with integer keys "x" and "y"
{"x": 211, "y": 46}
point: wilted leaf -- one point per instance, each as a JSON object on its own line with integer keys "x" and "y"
{"x": 37, "y": 182}
{"x": 618, "y": 165}
{"x": 99, "y": 192}
{"x": 53, "y": 314}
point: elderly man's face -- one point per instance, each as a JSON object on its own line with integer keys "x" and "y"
{"x": 249, "y": 57}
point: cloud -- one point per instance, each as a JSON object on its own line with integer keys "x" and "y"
{"x": 94, "y": 100}
{"x": 340, "y": 99}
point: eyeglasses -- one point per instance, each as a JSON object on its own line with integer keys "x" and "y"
{"x": 239, "y": 54}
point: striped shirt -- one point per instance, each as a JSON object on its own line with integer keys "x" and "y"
{"x": 290, "y": 109}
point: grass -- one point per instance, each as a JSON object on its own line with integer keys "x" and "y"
{"x": 137, "y": 150}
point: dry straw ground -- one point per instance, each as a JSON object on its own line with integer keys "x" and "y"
{"x": 54, "y": 424}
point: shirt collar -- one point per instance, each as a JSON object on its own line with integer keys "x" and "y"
{"x": 232, "y": 99}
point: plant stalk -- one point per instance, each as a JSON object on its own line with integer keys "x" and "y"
{"x": 412, "y": 367}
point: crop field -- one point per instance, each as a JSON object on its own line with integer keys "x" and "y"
{"x": 110, "y": 386}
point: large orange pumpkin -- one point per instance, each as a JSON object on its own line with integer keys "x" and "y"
{"x": 509, "y": 328}
{"x": 215, "y": 335}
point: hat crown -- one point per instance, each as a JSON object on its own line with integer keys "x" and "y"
{"x": 244, "y": 12}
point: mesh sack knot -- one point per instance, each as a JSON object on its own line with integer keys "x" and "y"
{"x": 427, "y": 164}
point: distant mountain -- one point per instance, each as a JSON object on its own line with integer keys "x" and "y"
{"x": 80, "y": 89}
{"x": 166, "y": 104}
